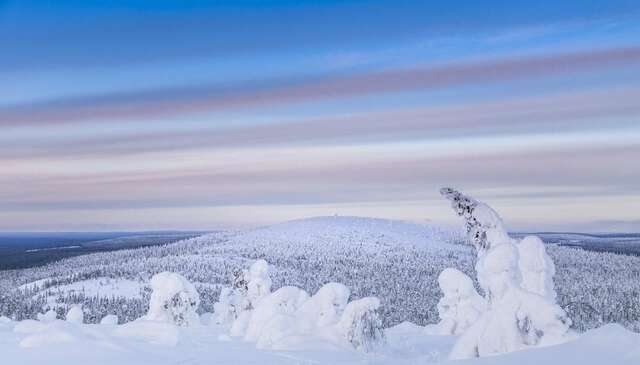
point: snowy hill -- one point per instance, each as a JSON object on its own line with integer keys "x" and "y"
{"x": 396, "y": 261}
{"x": 342, "y": 230}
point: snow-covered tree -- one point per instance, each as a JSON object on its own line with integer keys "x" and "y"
{"x": 48, "y": 316}
{"x": 250, "y": 287}
{"x": 326, "y": 306}
{"x": 461, "y": 305}
{"x": 483, "y": 225}
{"x": 258, "y": 282}
{"x": 361, "y": 324}
{"x": 109, "y": 319}
{"x": 75, "y": 315}
{"x": 536, "y": 267}
{"x": 284, "y": 301}
{"x": 174, "y": 299}
{"x": 516, "y": 318}
{"x": 223, "y": 311}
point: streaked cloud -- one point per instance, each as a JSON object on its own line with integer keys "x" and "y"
{"x": 203, "y": 98}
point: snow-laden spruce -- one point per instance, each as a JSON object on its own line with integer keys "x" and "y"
{"x": 517, "y": 284}
{"x": 173, "y": 300}
{"x": 75, "y": 315}
{"x": 283, "y": 318}
{"x": 536, "y": 267}
{"x": 461, "y": 305}
{"x": 48, "y": 316}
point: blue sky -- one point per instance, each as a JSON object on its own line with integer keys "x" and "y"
{"x": 209, "y": 114}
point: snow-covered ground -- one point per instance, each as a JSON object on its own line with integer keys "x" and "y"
{"x": 159, "y": 343}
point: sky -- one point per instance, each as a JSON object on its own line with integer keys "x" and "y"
{"x": 136, "y": 115}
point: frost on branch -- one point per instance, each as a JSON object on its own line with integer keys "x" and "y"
{"x": 461, "y": 305}
{"x": 173, "y": 300}
{"x": 362, "y": 325}
{"x": 516, "y": 280}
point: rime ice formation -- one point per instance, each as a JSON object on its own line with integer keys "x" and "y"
{"x": 518, "y": 316}
{"x": 461, "y": 305}
{"x": 174, "y": 300}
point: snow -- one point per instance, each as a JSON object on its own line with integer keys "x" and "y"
{"x": 109, "y": 319}
{"x": 75, "y": 315}
{"x": 461, "y": 305}
{"x": 262, "y": 318}
{"x": 536, "y": 267}
{"x": 48, "y": 316}
{"x": 326, "y": 306}
{"x": 173, "y": 300}
{"x": 158, "y": 343}
{"x": 284, "y": 301}
{"x": 258, "y": 282}
{"x": 517, "y": 283}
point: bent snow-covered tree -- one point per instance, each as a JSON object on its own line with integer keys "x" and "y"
{"x": 174, "y": 299}
{"x": 520, "y": 313}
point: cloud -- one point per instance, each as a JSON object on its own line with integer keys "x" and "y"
{"x": 168, "y": 102}
{"x": 568, "y": 111}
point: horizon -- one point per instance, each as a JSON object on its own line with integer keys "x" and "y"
{"x": 161, "y": 115}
